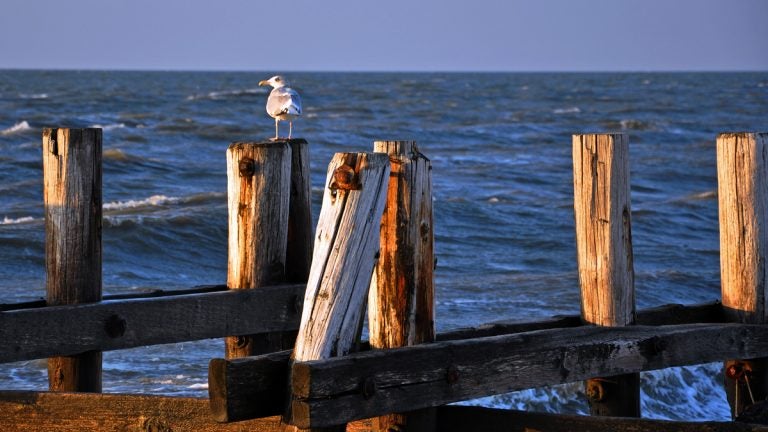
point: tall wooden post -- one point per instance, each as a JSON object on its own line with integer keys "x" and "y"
{"x": 604, "y": 245}
{"x": 300, "y": 237}
{"x": 345, "y": 252}
{"x": 742, "y": 176}
{"x": 72, "y": 196}
{"x": 401, "y": 308}
{"x": 258, "y": 190}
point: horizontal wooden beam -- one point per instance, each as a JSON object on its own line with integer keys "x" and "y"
{"x": 471, "y": 419}
{"x": 117, "y": 324}
{"x": 339, "y": 390}
{"x": 74, "y": 412}
{"x": 262, "y": 380}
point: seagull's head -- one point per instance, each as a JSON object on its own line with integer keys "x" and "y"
{"x": 276, "y": 81}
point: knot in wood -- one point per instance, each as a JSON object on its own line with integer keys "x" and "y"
{"x": 345, "y": 178}
{"x": 368, "y": 387}
{"x": 115, "y": 326}
{"x": 595, "y": 391}
{"x": 156, "y": 425}
{"x": 247, "y": 167}
{"x": 241, "y": 341}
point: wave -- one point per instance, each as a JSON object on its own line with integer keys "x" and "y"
{"x": 161, "y": 201}
{"x": 153, "y": 201}
{"x": 18, "y": 127}
{"x": 34, "y": 96}
{"x": 22, "y": 220}
{"x": 216, "y": 95}
{"x": 108, "y": 126}
{"x": 569, "y": 110}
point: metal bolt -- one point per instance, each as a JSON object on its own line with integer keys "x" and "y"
{"x": 595, "y": 391}
{"x": 247, "y": 167}
{"x": 115, "y": 326}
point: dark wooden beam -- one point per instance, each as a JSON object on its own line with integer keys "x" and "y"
{"x": 372, "y": 383}
{"x": 22, "y": 411}
{"x": 479, "y": 419}
{"x": 111, "y": 325}
{"x": 262, "y": 379}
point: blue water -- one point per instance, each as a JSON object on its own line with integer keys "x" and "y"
{"x": 500, "y": 146}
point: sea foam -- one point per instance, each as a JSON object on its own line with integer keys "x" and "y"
{"x": 18, "y": 127}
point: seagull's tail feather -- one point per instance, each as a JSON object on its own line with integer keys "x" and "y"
{"x": 292, "y": 110}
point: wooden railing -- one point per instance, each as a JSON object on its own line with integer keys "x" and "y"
{"x": 274, "y": 292}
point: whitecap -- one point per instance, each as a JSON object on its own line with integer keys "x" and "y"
{"x": 153, "y": 201}
{"x": 569, "y": 110}
{"x": 215, "y": 95}
{"x": 18, "y": 127}
{"x": 109, "y": 126}
{"x": 24, "y": 219}
{"x": 198, "y": 386}
{"x": 34, "y": 96}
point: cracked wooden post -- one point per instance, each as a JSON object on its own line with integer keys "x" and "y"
{"x": 345, "y": 252}
{"x": 401, "y": 308}
{"x": 604, "y": 245}
{"x": 258, "y": 191}
{"x": 743, "y": 208}
{"x": 72, "y": 196}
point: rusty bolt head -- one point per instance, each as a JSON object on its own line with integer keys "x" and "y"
{"x": 595, "y": 391}
{"x": 115, "y": 326}
{"x": 241, "y": 341}
{"x": 344, "y": 177}
{"x": 247, "y": 167}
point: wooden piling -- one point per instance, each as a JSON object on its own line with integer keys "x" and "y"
{"x": 604, "y": 245}
{"x": 72, "y": 195}
{"x": 345, "y": 252}
{"x": 742, "y": 173}
{"x": 401, "y": 310}
{"x": 258, "y": 190}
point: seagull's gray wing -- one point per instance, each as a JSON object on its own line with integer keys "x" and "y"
{"x": 283, "y": 100}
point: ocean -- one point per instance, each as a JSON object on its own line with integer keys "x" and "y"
{"x": 500, "y": 146}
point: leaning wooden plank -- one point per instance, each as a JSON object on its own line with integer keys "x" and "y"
{"x": 111, "y": 325}
{"x": 479, "y": 419}
{"x": 377, "y": 382}
{"x": 64, "y": 412}
{"x": 345, "y": 252}
{"x": 261, "y": 379}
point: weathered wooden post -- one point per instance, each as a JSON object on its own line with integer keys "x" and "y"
{"x": 345, "y": 252}
{"x": 72, "y": 196}
{"x": 401, "y": 308}
{"x": 604, "y": 245}
{"x": 742, "y": 176}
{"x": 258, "y": 191}
{"x": 300, "y": 237}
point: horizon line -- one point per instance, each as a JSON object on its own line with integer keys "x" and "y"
{"x": 417, "y": 71}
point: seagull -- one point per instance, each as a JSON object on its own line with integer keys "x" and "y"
{"x": 283, "y": 103}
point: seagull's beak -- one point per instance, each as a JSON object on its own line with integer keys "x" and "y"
{"x": 263, "y": 82}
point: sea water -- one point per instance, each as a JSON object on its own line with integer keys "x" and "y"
{"x": 500, "y": 146}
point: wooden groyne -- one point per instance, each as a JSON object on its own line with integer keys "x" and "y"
{"x": 293, "y": 306}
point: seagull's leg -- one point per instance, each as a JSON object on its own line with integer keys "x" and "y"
{"x": 276, "y": 134}
{"x": 290, "y": 129}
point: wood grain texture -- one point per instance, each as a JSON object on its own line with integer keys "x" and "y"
{"x": 604, "y": 245}
{"x": 300, "y": 229}
{"x": 258, "y": 195}
{"x": 743, "y": 211}
{"x": 372, "y": 383}
{"x": 479, "y": 419}
{"x": 743, "y": 206}
{"x": 261, "y": 379}
{"x": 127, "y": 323}
{"x": 22, "y": 411}
{"x": 401, "y": 304}
{"x": 345, "y": 252}
{"x": 603, "y": 231}
{"x": 72, "y": 176}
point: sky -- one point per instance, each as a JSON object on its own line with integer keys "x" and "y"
{"x": 385, "y": 35}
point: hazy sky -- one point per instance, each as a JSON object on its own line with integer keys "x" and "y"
{"x": 350, "y": 35}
